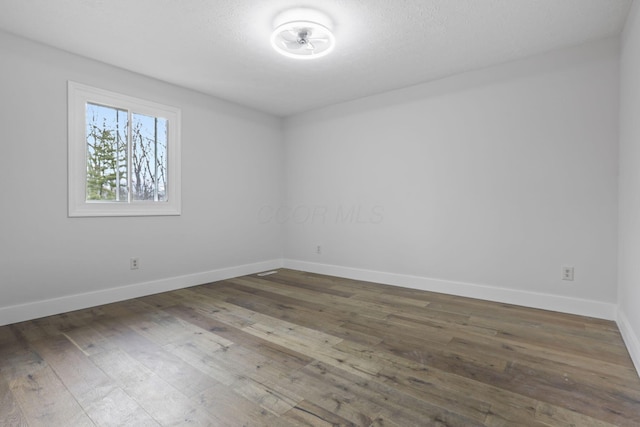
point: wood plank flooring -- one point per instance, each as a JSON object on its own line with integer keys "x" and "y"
{"x": 300, "y": 349}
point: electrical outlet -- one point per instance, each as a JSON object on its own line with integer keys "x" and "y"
{"x": 134, "y": 263}
{"x": 567, "y": 273}
{"x": 319, "y": 250}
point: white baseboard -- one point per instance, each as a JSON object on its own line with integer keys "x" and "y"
{"x": 630, "y": 338}
{"x": 510, "y": 296}
{"x": 37, "y": 309}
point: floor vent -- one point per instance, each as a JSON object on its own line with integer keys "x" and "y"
{"x": 267, "y": 273}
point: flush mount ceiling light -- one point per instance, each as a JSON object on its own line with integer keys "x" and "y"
{"x": 304, "y": 38}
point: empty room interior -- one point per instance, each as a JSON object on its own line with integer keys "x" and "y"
{"x": 295, "y": 213}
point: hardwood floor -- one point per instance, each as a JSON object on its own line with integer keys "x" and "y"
{"x": 295, "y": 348}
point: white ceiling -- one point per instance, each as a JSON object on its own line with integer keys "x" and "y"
{"x": 221, "y": 47}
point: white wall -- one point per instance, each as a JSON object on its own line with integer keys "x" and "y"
{"x": 483, "y": 184}
{"x": 629, "y": 234}
{"x": 232, "y": 162}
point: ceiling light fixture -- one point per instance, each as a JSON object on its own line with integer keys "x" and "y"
{"x": 304, "y": 38}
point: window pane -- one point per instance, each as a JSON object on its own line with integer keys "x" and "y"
{"x": 106, "y": 136}
{"x": 149, "y": 157}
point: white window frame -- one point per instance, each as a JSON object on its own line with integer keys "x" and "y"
{"x": 78, "y": 97}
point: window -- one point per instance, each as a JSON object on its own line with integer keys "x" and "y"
{"x": 124, "y": 155}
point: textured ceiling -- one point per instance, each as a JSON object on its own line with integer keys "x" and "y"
{"x": 221, "y": 47}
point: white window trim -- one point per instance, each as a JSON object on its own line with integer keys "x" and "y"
{"x": 79, "y": 95}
